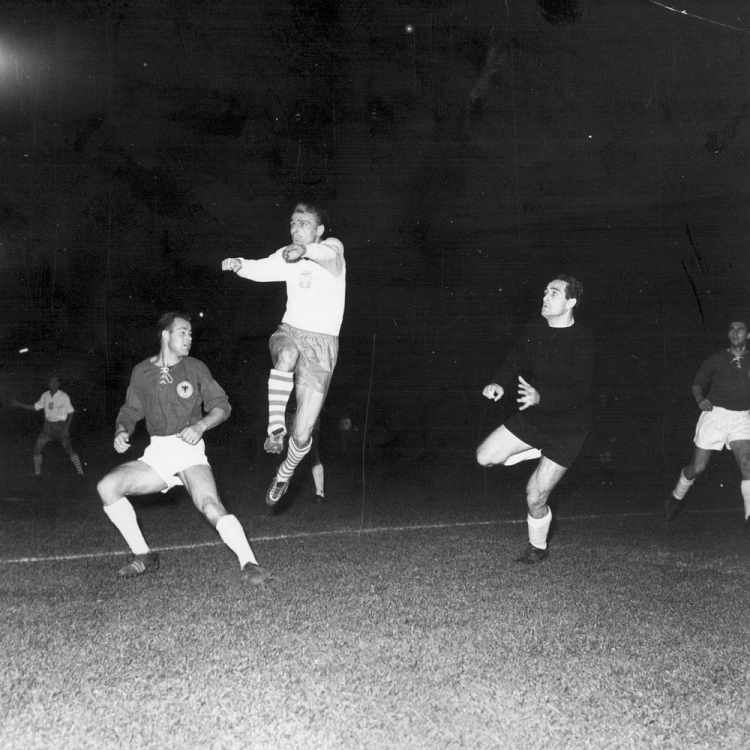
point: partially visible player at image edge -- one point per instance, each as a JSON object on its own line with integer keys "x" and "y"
{"x": 721, "y": 389}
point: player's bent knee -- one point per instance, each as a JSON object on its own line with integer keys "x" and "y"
{"x": 287, "y": 357}
{"x": 108, "y": 489}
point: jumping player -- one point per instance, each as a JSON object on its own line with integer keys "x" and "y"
{"x": 58, "y": 414}
{"x": 721, "y": 389}
{"x": 171, "y": 390}
{"x": 552, "y": 364}
{"x": 304, "y": 348}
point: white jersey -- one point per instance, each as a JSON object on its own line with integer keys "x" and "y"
{"x": 56, "y": 408}
{"x": 315, "y": 285}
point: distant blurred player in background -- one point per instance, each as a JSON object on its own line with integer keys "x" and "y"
{"x": 58, "y": 414}
{"x": 305, "y": 347}
{"x": 721, "y": 389}
{"x": 171, "y": 391}
{"x": 552, "y": 368}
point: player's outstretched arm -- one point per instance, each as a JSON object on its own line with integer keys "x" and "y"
{"x": 19, "y": 405}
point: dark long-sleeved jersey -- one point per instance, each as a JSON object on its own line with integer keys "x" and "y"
{"x": 558, "y": 363}
{"x": 724, "y": 379}
{"x": 170, "y": 398}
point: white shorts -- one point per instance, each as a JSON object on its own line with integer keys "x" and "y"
{"x": 719, "y": 427}
{"x": 169, "y": 455}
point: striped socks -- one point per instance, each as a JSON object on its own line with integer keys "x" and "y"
{"x": 294, "y": 455}
{"x": 280, "y": 386}
{"x": 77, "y": 463}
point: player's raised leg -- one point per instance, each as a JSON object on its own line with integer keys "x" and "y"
{"x": 500, "y": 447}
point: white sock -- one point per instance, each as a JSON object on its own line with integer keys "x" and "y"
{"x": 745, "y": 488}
{"x": 319, "y": 479}
{"x": 122, "y": 515}
{"x": 682, "y": 486}
{"x": 538, "y": 528}
{"x": 526, "y": 455}
{"x": 233, "y": 535}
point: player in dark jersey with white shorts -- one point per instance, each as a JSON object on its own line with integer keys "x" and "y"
{"x": 721, "y": 389}
{"x": 552, "y": 367}
{"x": 305, "y": 347}
{"x": 171, "y": 391}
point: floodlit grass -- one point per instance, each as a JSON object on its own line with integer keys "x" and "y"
{"x": 627, "y": 637}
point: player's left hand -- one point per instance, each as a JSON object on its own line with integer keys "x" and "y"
{"x": 191, "y": 435}
{"x": 293, "y": 253}
{"x": 527, "y": 394}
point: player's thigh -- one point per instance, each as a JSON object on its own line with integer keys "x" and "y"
{"x": 67, "y": 445}
{"x": 132, "y": 478}
{"x": 200, "y": 483}
{"x": 545, "y": 477}
{"x": 499, "y": 446}
{"x": 309, "y": 405}
{"x": 41, "y": 441}
{"x": 741, "y": 450}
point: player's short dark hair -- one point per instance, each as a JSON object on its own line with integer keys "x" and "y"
{"x": 311, "y": 207}
{"x": 165, "y": 321}
{"x": 739, "y": 319}
{"x": 573, "y": 287}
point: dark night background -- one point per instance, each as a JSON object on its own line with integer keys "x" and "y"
{"x": 468, "y": 151}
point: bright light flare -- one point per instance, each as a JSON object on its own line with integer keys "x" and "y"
{"x": 24, "y": 350}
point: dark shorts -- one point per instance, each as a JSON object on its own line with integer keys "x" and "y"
{"x": 557, "y": 441}
{"x": 53, "y": 431}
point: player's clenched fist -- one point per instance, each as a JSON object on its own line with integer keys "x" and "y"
{"x": 493, "y": 392}
{"x": 231, "y": 264}
{"x": 122, "y": 441}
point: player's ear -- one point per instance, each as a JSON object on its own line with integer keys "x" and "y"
{"x": 319, "y": 230}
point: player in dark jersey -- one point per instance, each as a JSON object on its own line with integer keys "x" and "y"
{"x": 171, "y": 391}
{"x": 552, "y": 366}
{"x": 721, "y": 389}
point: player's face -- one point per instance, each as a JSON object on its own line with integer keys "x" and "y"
{"x": 305, "y": 229}
{"x": 53, "y": 385}
{"x": 180, "y": 337}
{"x": 554, "y": 303}
{"x": 737, "y": 333}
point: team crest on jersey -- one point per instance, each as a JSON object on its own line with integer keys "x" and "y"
{"x": 185, "y": 389}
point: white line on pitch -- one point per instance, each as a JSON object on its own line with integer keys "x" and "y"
{"x": 332, "y": 532}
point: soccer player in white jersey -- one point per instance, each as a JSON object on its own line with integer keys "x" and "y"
{"x": 171, "y": 391}
{"x": 304, "y": 348}
{"x": 58, "y": 414}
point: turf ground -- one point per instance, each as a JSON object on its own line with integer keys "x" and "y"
{"x": 395, "y": 618}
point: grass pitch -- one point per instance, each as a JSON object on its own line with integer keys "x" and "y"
{"x": 396, "y": 618}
